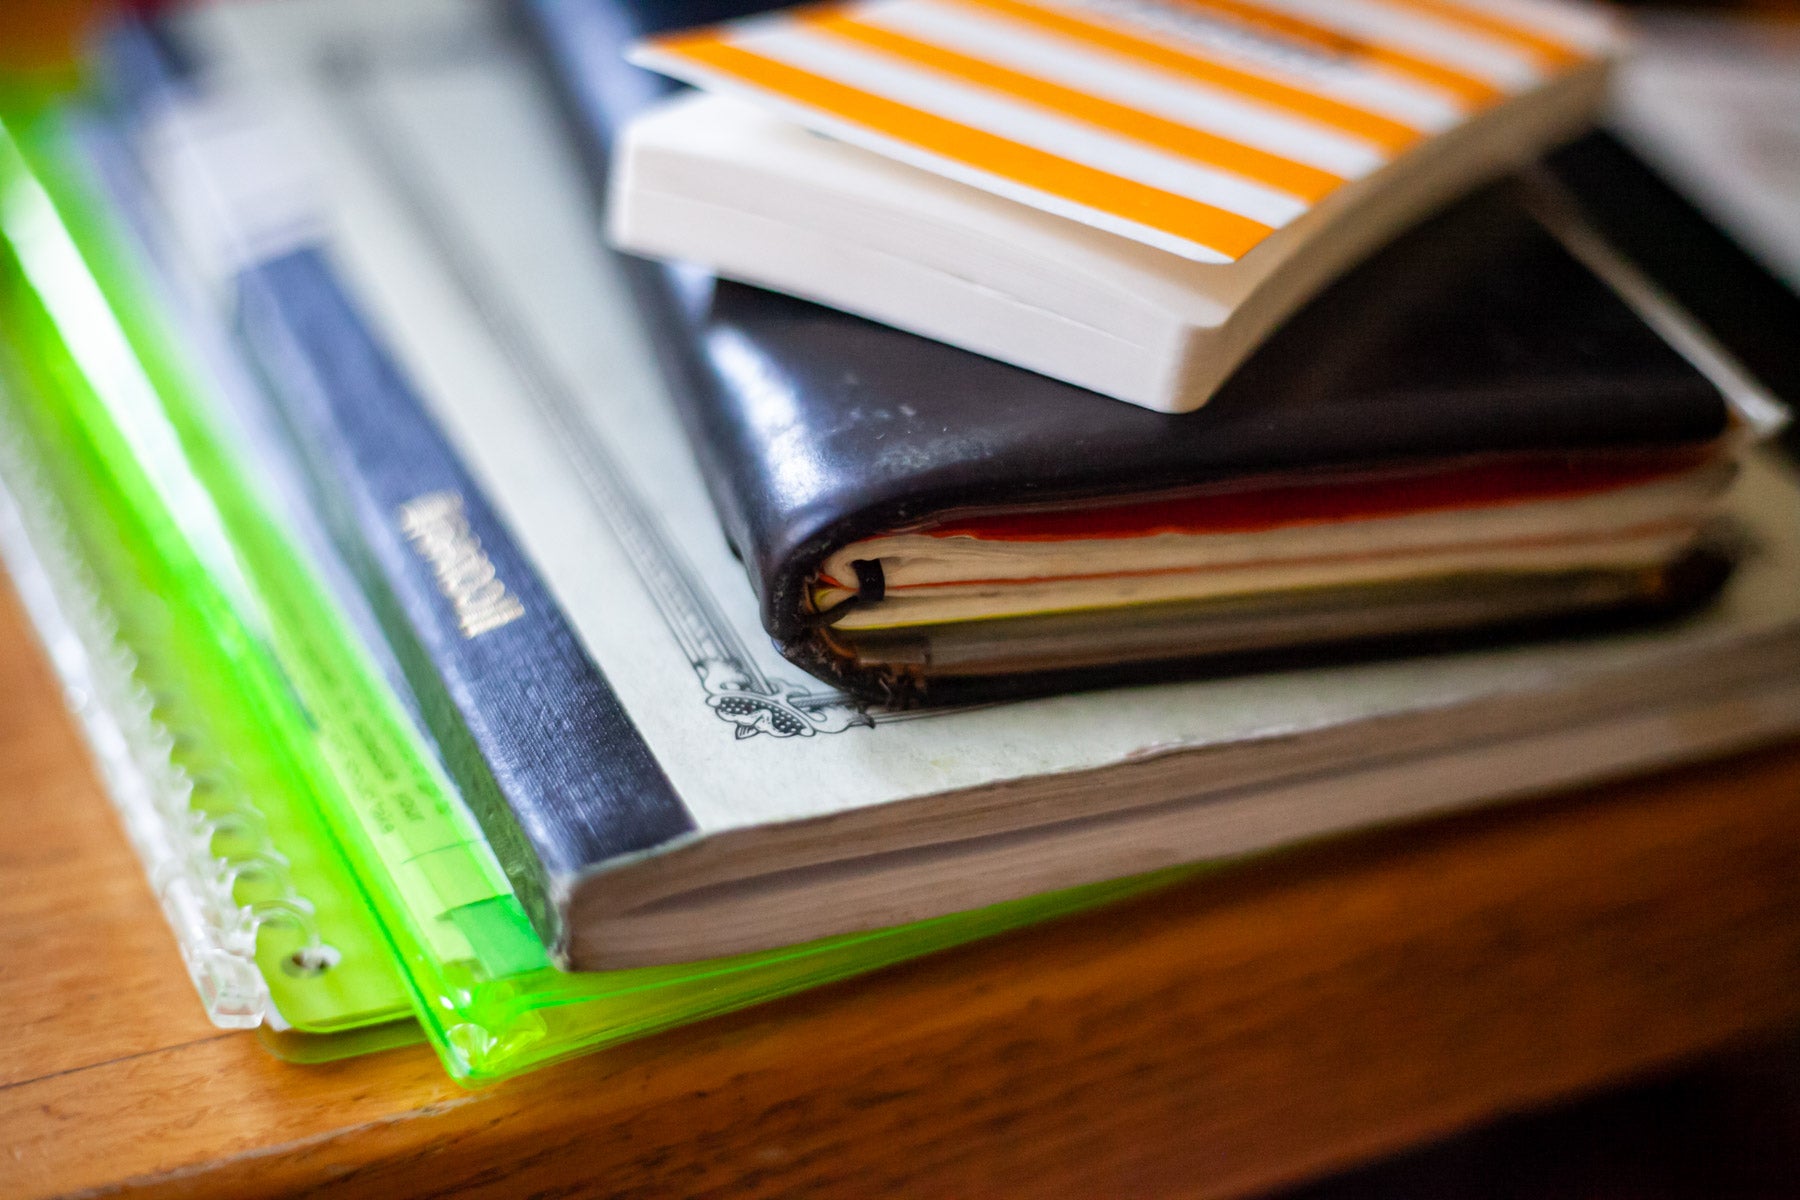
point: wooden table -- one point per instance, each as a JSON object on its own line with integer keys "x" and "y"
{"x": 1258, "y": 1028}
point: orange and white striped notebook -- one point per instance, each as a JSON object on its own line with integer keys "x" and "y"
{"x": 1196, "y": 126}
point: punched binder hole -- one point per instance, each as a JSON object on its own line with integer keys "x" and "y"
{"x": 312, "y": 960}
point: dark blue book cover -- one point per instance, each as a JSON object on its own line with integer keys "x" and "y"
{"x": 529, "y": 728}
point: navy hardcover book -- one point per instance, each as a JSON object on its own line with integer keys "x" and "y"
{"x": 527, "y": 725}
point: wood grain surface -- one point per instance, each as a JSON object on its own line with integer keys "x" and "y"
{"x": 1258, "y": 1028}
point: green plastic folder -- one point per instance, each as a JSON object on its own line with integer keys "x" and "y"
{"x": 186, "y": 709}
{"x": 237, "y": 625}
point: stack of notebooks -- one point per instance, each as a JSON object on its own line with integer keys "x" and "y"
{"x": 542, "y": 555}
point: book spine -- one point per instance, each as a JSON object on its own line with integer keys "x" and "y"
{"x": 534, "y": 736}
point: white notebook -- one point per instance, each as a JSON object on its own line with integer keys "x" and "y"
{"x": 1125, "y": 196}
